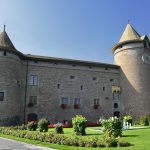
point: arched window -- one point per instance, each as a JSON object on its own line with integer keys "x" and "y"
{"x": 115, "y": 105}
{"x": 32, "y": 117}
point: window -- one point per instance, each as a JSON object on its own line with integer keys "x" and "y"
{"x": 81, "y": 87}
{"x": 5, "y": 53}
{"x": 96, "y": 101}
{"x": 33, "y": 80}
{"x": 72, "y": 77}
{"x": 55, "y": 63}
{"x": 77, "y": 101}
{"x": 103, "y": 88}
{"x": 1, "y": 96}
{"x": 64, "y": 100}
{"x": 116, "y": 95}
{"x": 58, "y": 86}
{"x": 73, "y": 65}
{"x": 111, "y": 80}
{"x": 94, "y": 78}
{"x": 33, "y": 100}
{"x": 35, "y": 61}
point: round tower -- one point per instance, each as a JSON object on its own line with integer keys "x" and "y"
{"x": 11, "y": 82}
{"x": 132, "y": 54}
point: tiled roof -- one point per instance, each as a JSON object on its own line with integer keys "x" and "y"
{"x": 129, "y": 34}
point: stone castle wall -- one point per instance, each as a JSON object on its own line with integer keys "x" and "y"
{"x": 49, "y": 97}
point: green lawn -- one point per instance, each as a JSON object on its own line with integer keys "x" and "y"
{"x": 140, "y": 138}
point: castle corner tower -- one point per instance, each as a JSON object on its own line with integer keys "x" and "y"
{"x": 132, "y": 54}
{"x": 11, "y": 82}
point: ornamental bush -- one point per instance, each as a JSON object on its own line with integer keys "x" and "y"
{"x": 112, "y": 128}
{"x": 128, "y": 119}
{"x": 32, "y": 126}
{"x": 79, "y": 124}
{"x": 43, "y": 125}
{"x": 144, "y": 120}
{"x": 59, "y": 128}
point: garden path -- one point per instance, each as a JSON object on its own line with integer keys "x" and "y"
{"x": 7, "y": 144}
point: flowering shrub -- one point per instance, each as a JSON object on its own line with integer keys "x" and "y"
{"x": 79, "y": 124}
{"x": 32, "y": 125}
{"x": 43, "y": 125}
{"x": 59, "y": 128}
{"x": 128, "y": 119}
{"x": 112, "y": 128}
{"x": 144, "y": 120}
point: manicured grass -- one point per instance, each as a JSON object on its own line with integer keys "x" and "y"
{"x": 140, "y": 138}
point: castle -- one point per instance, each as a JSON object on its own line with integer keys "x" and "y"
{"x": 34, "y": 87}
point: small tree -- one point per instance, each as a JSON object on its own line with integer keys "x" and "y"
{"x": 43, "y": 125}
{"x": 112, "y": 128}
{"x": 128, "y": 119}
{"x": 59, "y": 128}
{"x": 79, "y": 124}
{"x": 31, "y": 126}
{"x": 144, "y": 120}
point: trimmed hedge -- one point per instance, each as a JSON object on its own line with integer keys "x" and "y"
{"x": 61, "y": 139}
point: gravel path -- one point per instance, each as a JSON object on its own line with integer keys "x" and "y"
{"x": 7, "y": 144}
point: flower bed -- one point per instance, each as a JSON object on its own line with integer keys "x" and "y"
{"x": 89, "y": 124}
{"x": 61, "y": 139}
{"x": 64, "y": 126}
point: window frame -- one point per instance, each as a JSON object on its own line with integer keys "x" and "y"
{"x": 77, "y": 101}
{"x": 33, "y": 79}
{"x": 33, "y": 100}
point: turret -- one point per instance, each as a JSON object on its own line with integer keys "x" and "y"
{"x": 11, "y": 82}
{"x": 132, "y": 54}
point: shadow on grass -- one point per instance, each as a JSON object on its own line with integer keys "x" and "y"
{"x": 130, "y": 135}
{"x": 93, "y": 134}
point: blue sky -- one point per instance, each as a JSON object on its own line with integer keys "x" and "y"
{"x": 76, "y": 29}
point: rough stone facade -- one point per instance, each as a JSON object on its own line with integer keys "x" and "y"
{"x": 37, "y": 87}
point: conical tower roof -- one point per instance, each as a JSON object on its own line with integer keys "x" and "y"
{"x": 5, "y": 40}
{"x": 129, "y": 34}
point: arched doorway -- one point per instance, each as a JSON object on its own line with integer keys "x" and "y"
{"x": 32, "y": 117}
{"x": 117, "y": 114}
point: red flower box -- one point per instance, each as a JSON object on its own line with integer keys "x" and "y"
{"x": 76, "y": 106}
{"x": 63, "y": 106}
{"x": 92, "y": 124}
{"x": 64, "y": 126}
{"x": 95, "y": 106}
{"x": 30, "y": 104}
